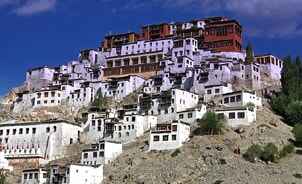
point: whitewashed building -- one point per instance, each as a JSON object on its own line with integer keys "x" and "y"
{"x": 34, "y": 176}
{"x": 120, "y": 87}
{"x": 212, "y": 91}
{"x": 169, "y": 135}
{"x": 270, "y": 65}
{"x": 102, "y": 152}
{"x": 129, "y": 128}
{"x": 241, "y": 99}
{"x": 37, "y": 78}
{"x": 41, "y": 140}
{"x": 237, "y": 116}
{"x": 167, "y": 104}
{"x": 76, "y": 174}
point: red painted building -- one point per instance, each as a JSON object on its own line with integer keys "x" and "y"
{"x": 113, "y": 41}
{"x": 223, "y": 35}
{"x": 156, "y": 31}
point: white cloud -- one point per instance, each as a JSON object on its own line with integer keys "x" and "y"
{"x": 29, "y": 7}
{"x": 35, "y": 6}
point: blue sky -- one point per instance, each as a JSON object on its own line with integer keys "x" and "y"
{"x": 52, "y": 32}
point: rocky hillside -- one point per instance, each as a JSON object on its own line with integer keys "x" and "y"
{"x": 210, "y": 159}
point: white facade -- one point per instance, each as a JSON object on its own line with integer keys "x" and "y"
{"x": 238, "y": 116}
{"x": 131, "y": 127}
{"x": 44, "y": 140}
{"x": 101, "y": 153}
{"x": 39, "y": 77}
{"x": 76, "y": 174}
{"x": 141, "y": 47}
{"x": 212, "y": 91}
{"x": 270, "y": 66}
{"x": 34, "y": 176}
{"x": 167, "y": 104}
{"x": 118, "y": 88}
{"x": 240, "y": 99}
{"x": 168, "y": 136}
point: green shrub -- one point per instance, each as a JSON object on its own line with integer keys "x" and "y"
{"x": 253, "y": 152}
{"x": 288, "y": 149}
{"x": 298, "y": 133}
{"x": 250, "y": 106}
{"x": 270, "y": 153}
{"x": 294, "y": 112}
{"x": 211, "y": 123}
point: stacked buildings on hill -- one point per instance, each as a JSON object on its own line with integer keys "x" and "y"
{"x": 178, "y": 71}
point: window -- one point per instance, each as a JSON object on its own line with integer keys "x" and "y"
{"x": 7, "y": 132}
{"x": 25, "y": 176}
{"x": 127, "y": 134}
{"x": 217, "y": 91}
{"x": 95, "y": 154}
{"x": 232, "y": 115}
{"x": 238, "y": 98}
{"x": 119, "y": 128}
{"x": 34, "y": 130}
{"x": 133, "y": 118}
{"x": 1, "y": 132}
{"x": 54, "y": 129}
{"x": 241, "y": 115}
{"x": 93, "y": 123}
{"x": 47, "y": 130}
{"x": 181, "y": 116}
{"x": 155, "y": 138}
{"x": 129, "y": 127}
{"x": 52, "y": 101}
{"x": 190, "y": 115}
{"x": 53, "y": 94}
{"x": 232, "y": 99}
{"x": 166, "y": 111}
{"x": 165, "y": 137}
{"x": 174, "y": 128}
{"x": 36, "y": 175}
{"x": 14, "y": 131}
{"x": 27, "y": 130}
{"x": 46, "y": 94}
{"x": 21, "y": 131}
{"x": 119, "y": 134}
{"x": 173, "y": 137}
{"x": 30, "y": 176}
{"x": 38, "y": 102}
{"x": 226, "y": 100}
{"x": 101, "y": 153}
{"x": 102, "y": 146}
{"x": 209, "y": 92}
{"x": 132, "y": 126}
{"x": 85, "y": 155}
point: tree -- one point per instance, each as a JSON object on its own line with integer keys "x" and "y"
{"x": 294, "y": 112}
{"x": 288, "y": 149}
{"x": 249, "y": 54}
{"x": 298, "y": 133}
{"x": 250, "y": 106}
{"x": 211, "y": 123}
{"x": 279, "y": 104}
{"x": 100, "y": 101}
{"x": 270, "y": 153}
{"x": 3, "y": 176}
{"x": 253, "y": 152}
